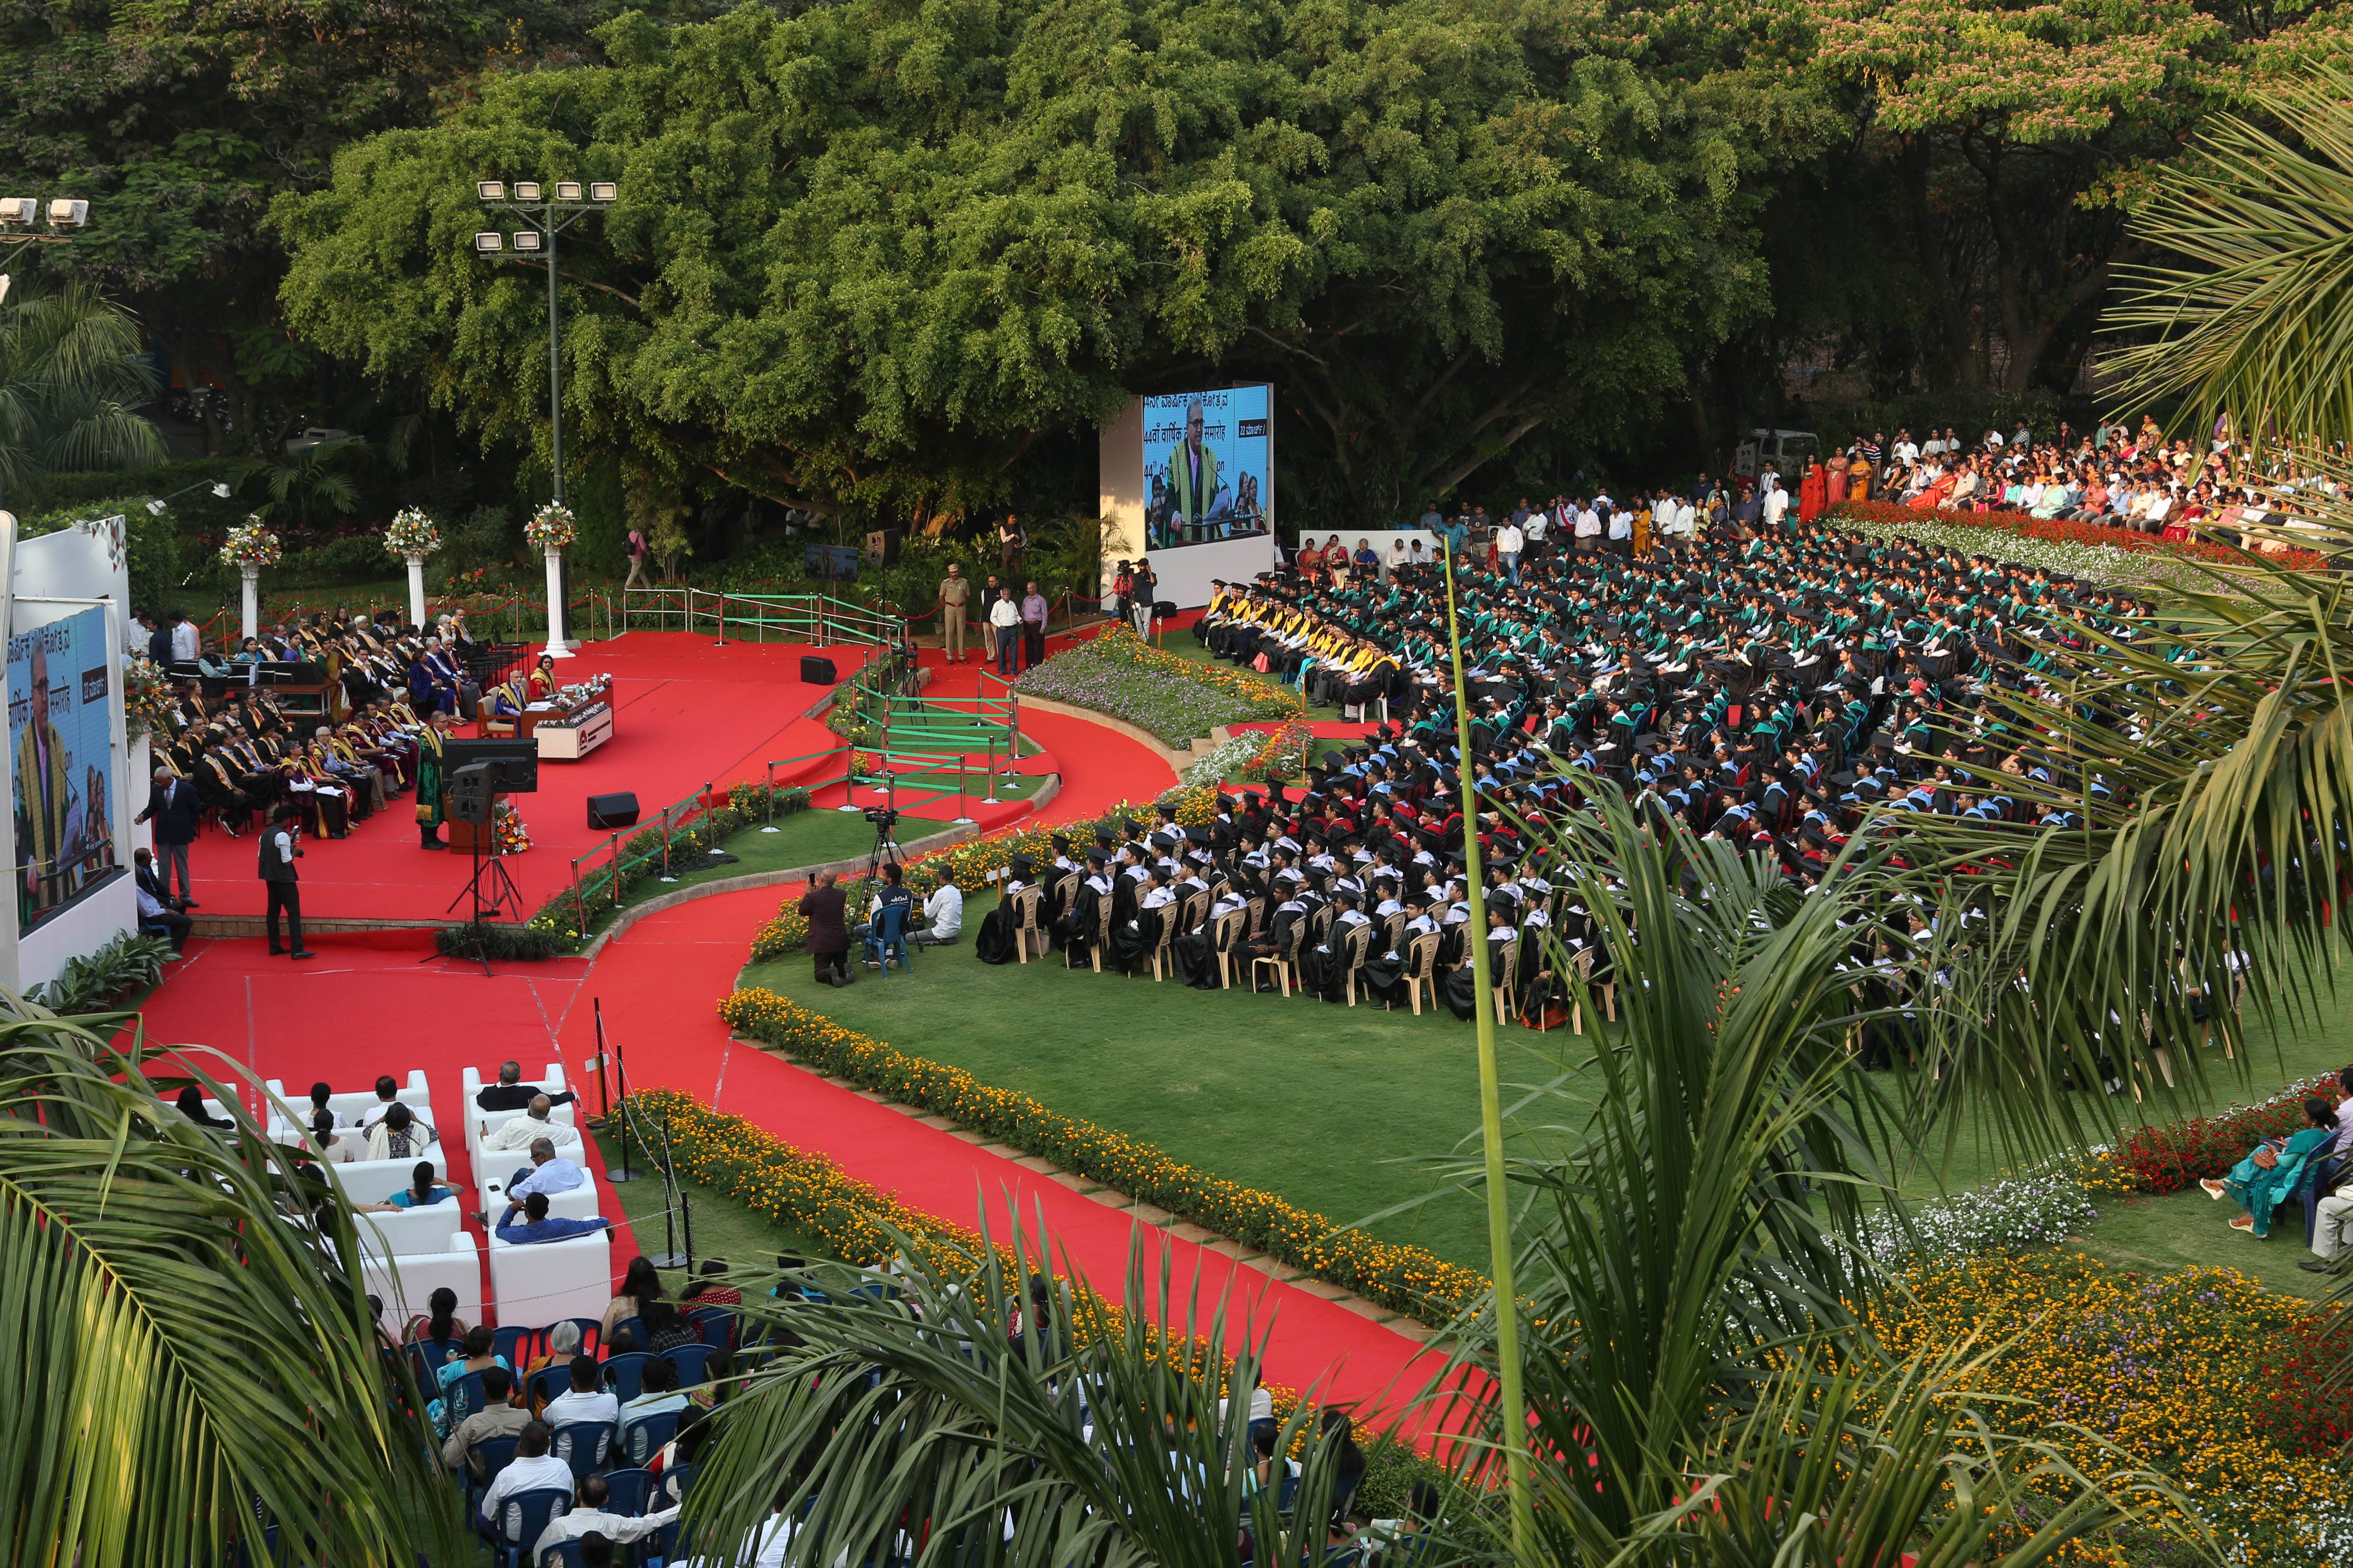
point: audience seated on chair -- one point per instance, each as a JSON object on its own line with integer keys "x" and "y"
{"x": 496, "y": 1419}
{"x": 536, "y": 1121}
{"x": 511, "y": 1093}
{"x": 711, "y": 1289}
{"x": 400, "y": 1136}
{"x": 620, "y": 1528}
{"x": 424, "y": 1189}
{"x": 548, "y": 1174}
{"x": 563, "y": 1344}
{"x": 529, "y": 1223}
{"x": 481, "y": 1356}
{"x": 656, "y": 1396}
{"x": 532, "y": 1468}
{"x": 640, "y": 1285}
{"x": 587, "y": 1399}
{"x": 667, "y": 1328}
{"x": 442, "y": 1332}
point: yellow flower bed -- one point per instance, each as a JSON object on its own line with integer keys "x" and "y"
{"x": 2202, "y": 1375}
{"x": 1404, "y": 1279}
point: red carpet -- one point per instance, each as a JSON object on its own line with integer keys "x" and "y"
{"x": 687, "y": 714}
{"x": 366, "y": 1006}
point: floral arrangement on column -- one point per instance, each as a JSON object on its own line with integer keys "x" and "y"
{"x": 146, "y": 695}
{"x": 411, "y": 532}
{"x": 551, "y": 527}
{"x": 249, "y": 543}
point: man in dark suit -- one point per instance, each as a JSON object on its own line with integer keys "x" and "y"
{"x": 174, "y": 807}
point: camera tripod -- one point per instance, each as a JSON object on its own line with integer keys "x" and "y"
{"x": 886, "y": 848}
{"x": 491, "y": 891}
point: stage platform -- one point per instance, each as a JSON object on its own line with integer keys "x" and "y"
{"x": 687, "y": 713}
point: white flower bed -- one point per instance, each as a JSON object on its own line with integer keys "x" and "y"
{"x": 1224, "y": 758}
{"x": 2093, "y": 563}
{"x": 2007, "y": 1215}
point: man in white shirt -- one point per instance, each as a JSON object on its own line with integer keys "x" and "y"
{"x": 943, "y": 917}
{"x": 532, "y": 1470}
{"x": 1776, "y": 506}
{"x": 620, "y": 1528}
{"x": 1907, "y": 451}
{"x": 1621, "y": 530}
{"x": 186, "y": 640}
{"x": 537, "y": 1121}
{"x": 1588, "y": 529}
{"x": 1509, "y": 542}
{"x": 587, "y": 1399}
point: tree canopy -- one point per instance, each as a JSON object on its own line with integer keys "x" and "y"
{"x": 867, "y": 254}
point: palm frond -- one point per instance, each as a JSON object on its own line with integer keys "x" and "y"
{"x": 910, "y": 1412}
{"x": 2256, "y": 316}
{"x": 186, "y": 1358}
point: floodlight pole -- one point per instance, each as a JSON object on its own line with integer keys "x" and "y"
{"x": 1514, "y": 1414}
{"x": 550, "y": 217}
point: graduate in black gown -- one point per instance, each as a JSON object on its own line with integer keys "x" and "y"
{"x": 1133, "y": 940}
{"x": 1324, "y": 966}
{"x": 1194, "y": 955}
{"x": 1384, "y": 972}
{"x": 997, "y": 939}
{"x": 1081, "y": 920}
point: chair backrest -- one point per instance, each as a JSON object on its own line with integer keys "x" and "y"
{"x": 496, "y": 1453}
{"x": 1197, "y": 908}
{"x": 692, "y": 1361}
{"x": 524, "y": 1515}
{"x": 628, "y": 1491}
{"x": 647, "y": 1434}
{"x": 622, "y": 1372}
{"x": 592, "y": 1333}
{"x": 1257, "y": 915}
{"x": 1026, "y": 907}
{"x": 717, "y": 1324}
{"x": 891, "y": 923}
{"x": 629, "y": 1330}
{"x": 510, "y": 1343}
{"x": 561, "y": 1554}
{"x": 583, "y": 1445}
{"x": 1391, "y": 928}
{"x": 547, "y": 1382}
{"x": 1354, "y": 947}
{"x": 1229, "y": 928}
{"x": 1421, "y": 956}
{"x": 463, "y": 1396}
{"x": 1506, "y": 966}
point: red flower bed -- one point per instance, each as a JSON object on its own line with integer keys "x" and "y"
{"x": 2059, "y": 532}
{"x": 2163, "y": 1160}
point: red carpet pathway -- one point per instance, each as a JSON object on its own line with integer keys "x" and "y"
{"x": 368, "y": 1007}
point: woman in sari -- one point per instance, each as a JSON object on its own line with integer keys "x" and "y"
{"x": 2273, "y": 1170}
{"x": 1813, "y": 491}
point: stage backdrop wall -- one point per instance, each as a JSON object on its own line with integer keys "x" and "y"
{"x": 1125, "y": 476}
{"x": 69, "y": 591}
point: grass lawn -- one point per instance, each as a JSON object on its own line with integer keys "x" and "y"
{"x": 1331, "y": 1106}
{"x": 1339, "y": 1109}
{"x": 802, "y": 838}
{"x": 723, "y": 1227}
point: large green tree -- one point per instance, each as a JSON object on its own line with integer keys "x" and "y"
{"x": 867, "y": 255}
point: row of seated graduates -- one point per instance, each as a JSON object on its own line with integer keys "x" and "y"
{"x": 1298, "y": 875}
{"x": 1777, "y": 684}
{"x": 245, "y": 754}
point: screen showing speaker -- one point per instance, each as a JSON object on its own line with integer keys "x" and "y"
{"x": 1209, "y": 466}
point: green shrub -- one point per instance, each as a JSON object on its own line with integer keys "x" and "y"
{"x": 128, "y": 963}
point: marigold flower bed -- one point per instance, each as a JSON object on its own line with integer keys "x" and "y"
{"x": 2202, "y": 1375}
{"x": 1403, "y": 1279}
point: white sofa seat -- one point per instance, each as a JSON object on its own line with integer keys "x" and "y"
{"x": 478, "y": 1121}
{"x": 410, "y": 1233}
{"x": 533, "y": 1284}
{"x": 374, "y": 1180}
{"x": 351, "y": 1107}
{"x": 582, "y": 1202}
{"x": 404, "y": 1285}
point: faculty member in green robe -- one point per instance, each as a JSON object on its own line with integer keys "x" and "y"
{"x": 432, "y": 809}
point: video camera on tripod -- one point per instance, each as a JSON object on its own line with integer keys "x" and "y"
{"x": 883, "y": 818}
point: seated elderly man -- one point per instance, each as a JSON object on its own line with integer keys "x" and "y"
{"x": 537, "y": 1121}
{"x": 548, "y": 1174}
{"x": 511, "y": 1093}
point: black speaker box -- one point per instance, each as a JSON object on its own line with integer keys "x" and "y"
{"x": 470, "y": 793}
{"x": 883, "y": 546}
{"x": 816, "y": 670}
{"x": 606, "y": 812}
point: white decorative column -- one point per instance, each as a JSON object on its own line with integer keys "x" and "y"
{"x": 415, "y": 590}
{"x": 556, "y": 645}
{"x": 252, "y": 580}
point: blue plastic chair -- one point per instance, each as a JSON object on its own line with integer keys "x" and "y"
{"x": 521, "y": 1518}
{"x": 645, "y": 1437}
{"x": 592, "y": 1332}
{"x": 692, "y": 1362}
{"x": 547, "y": 1382}
{"x": 463, "y": 1397}
{"x": 585, "y": 1446}
{"x": 629, "y": 1329}
{"x": 622, "y": 1372}
{"x": 496, "y": 1453}
{"x": 887, "y": 936}
{"x": 627, "y": 1490}
{"x": 510, "y": 1343}
{"x": 2319, "y": 1176}
{"x": 565, "y": 1553}
{"x": 718, "y": 1326}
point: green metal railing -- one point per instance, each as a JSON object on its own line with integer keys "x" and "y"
{"x": 895, "y": 719}
{"x": 898, "y": 780}
{"x": 816, "y": 619}
{"x": 618, "y": 862}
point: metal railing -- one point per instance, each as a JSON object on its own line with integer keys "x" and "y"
{"x": 615, "y": 851}
{"x": 906, "y": 721}
{"x": 816, "y": 619}
{"x": 922, "y": 775}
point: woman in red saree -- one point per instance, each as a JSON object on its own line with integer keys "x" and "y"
{"x": 1813, "y": 491}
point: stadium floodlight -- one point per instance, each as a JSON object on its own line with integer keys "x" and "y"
{"x": 567, "y": 190}
{"x": 491, "y": 190}
{"x": 66, "y": 212}
{"x": 526, "y": 190}
{"x": 154, "y": 508}
{"x": 527, "y": 239}
{"x": 604, "y": 191}
{"x": 490, "y": 242}
{"x": 18, "y": 211}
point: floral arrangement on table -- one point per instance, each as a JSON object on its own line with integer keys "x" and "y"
{"x": 1118, "y": 673}
{"x": 2195, "y": 1373}
{"x": 551, "y": 527}
{"x": 250, "y": 543}
{"x": 411, "y": 532}
{"x": 1403, "y": 1279}
{"x": 594, "y": 689}
{"x": 146, "y": 695}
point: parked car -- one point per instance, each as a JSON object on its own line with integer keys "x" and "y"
{"x": 313, "y": 436}
{"x": 1787, "y": 450}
